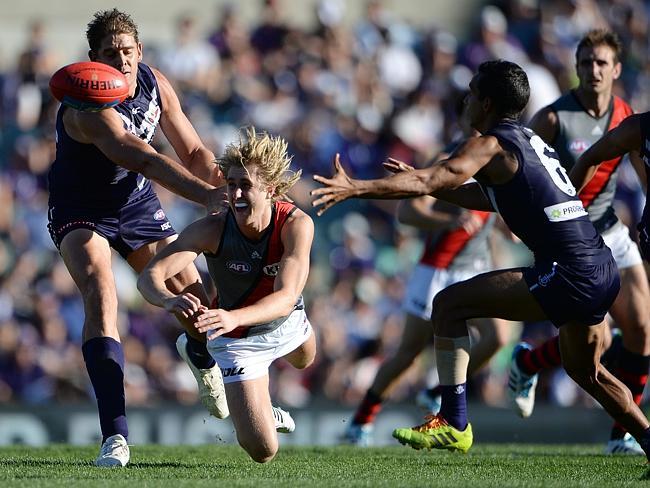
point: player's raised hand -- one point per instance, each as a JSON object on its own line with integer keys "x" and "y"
{"x": 186, "y": 305}
{"x": 395, "y": 166}
{"x": 215, "y": 322}
{"x": 336, "y": 189}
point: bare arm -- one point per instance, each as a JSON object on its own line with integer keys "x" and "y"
{"x": 442, "y": 176}
{"x": 545, "y": 124}
{"x": 183, "y": 137}
{"x": 197, "y": 238}
{"x": 625, "y": 138}
{"x": 640, "y": 169}
{"x": 105, "y": 130}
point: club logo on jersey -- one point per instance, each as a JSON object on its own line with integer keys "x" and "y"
{"x": 238, "y": 267}
{"x": 271, "y": 269}
{"x": 565, "y": 211}
{"x": 578, "y": 146}
{"x": 159, "y": 215}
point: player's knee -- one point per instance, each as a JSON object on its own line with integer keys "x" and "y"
{"x": 303, "y": 362}
{"x": 261, "y": 453}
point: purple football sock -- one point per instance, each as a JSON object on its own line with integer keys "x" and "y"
{"x": 453, "y": 406}
{"x": 104, "y": 359}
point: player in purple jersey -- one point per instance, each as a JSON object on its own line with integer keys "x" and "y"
{"x": 573, "y": 281}
{"x": 100, "y": 197}
{"x": 571, "y": 124}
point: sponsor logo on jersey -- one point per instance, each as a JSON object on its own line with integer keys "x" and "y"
{"x": 271, "y": 269}
{"x": 225, "y": 372}
{"x": 239, "y": 267}
{"x": 256, "y": 255}
{"x": 578, "y": 146}
{"x": 166, "y": 226}
{"x": 159, "y": 215}
{"x": 565, "y": 211}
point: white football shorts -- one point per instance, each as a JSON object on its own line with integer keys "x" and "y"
{"x": 247, "y": 358}
{"x": 624, "y": 249}
{"x": 425, "y": 283}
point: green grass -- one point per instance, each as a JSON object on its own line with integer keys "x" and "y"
{"x": 499, "y": 465}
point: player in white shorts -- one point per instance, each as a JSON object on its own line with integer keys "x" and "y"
{"x": 258, "y": 257}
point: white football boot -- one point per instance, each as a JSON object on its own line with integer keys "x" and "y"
{"x": 210, "y": 381}
{"x": 521, "y": 386}
{"x": 626, "y": 445}
{"x": 283, "y": 421}
{"x": 114, "y": 452}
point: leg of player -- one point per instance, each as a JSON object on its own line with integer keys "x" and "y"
{"x": 88, "y": 259}
{"x": 303, "y": 356}
{"x": 417, "y": 334}
{"x": 631, "y": 312}
{"x": 581, "y": 348}
{"x": 502, "y": 294}
{"x": 493, "y": 334}
{"x": 254, "y": 417}
{"x": 191, "y": 344}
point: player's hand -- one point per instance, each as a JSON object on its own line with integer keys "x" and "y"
{"x": 186, "y": 305}
{"x": 336, "y": 189}
{"x": 470, "y": 222}
{"x": 217, "y": 201}
{"x": 395, "y": 166}
{"x": 215, "y": 322}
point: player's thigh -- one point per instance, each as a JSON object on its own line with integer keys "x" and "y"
{"x": 631, "y": 309}
{"x": 303, "y": 356}
{"x": 87, "y": 256}
{"x": 502, "y": 294}
{"x": 250, "y": 411}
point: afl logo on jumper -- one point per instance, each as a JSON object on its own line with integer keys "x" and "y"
{"x": 238, "y": 267}
{"x": 272, "y": 269}
{"x": 159, "y": 215}
{"x": 578, "y": 146}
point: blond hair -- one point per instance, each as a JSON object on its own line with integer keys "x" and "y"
{"x": 268, "y": 153}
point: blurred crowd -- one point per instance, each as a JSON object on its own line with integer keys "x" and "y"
{"x": 375, "y": 88}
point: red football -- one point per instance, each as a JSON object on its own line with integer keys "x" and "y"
{"x": 89, "y": 86}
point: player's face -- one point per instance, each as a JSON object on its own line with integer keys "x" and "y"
{"x": 123, "y": 53}
{"x": 474, "y": 107}
{"x": 247, "y": 194}
{"x": 597, "y": 69}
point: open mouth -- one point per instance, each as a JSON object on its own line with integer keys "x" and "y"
{"x": 241, "y": 205}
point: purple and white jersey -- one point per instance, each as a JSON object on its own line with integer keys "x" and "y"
{"x": 539, "y": 203}
{"x": 81, "y": 176}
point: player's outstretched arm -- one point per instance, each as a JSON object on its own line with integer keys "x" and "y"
{"x": 198, "y": 237}
{"x": 105, "y": 130}
{"x": 626, "y": 137}
{"x": 293, "y": 269}
{"x": 183, "y": 137}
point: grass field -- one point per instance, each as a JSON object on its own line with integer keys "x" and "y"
{"x": 184, "y": 466}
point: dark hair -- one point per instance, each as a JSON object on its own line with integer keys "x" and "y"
{"x": 602, "y": 37}
{"x": 506, "y": 84}
{"x": 109, "y": 22}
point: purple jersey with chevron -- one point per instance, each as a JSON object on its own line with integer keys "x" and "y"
{"x": 540, "y": 204}
{"x": 82, "y": 177}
